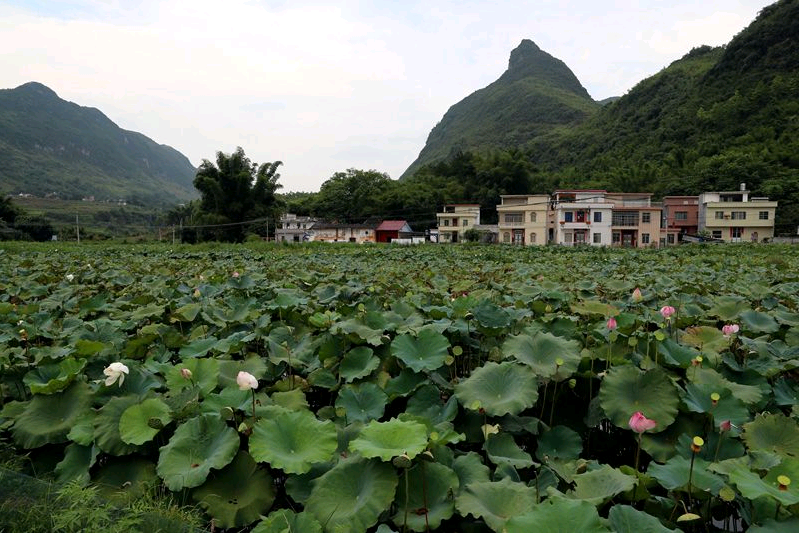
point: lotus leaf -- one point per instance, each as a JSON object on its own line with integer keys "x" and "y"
{"x": 559, "y": 443}
{"x": 627, "y": 390}
{"x": 140, "y": 423}
{"x": 82, "y": 431}
{"x": 674, "y": 475}
{"x": 205, "y": 374}
{"x": 491, "y": 315}
{"x": 624, "y": 518}
{"x": 546, "y": 354}
{"x": 358, "y": 363}
{"x": 390, "y": 439}
{"x": 198, "y": 445}
{"x": 600, "y": 485}
{"x": 785, "y": 392}
{"x": 293, "y": 441}
{"x": 749, "y": 394}
{"x": 774, "y": 433}
{"x": 352, "y": 496}
{"x": 499, "y": 388}
{"x": 78, "y": 459}
{"x": 228, "y": 369}
{"x": 287, "y": 520}
{"x": 404, "y": 383}
{"x": 469, "y": 469}
{"x": 426, "y": 352}
{"x": 186, "y": 313}
{"x": 107, "y": 426}
{"x": 298, "y": 487}
{"x": 427, "y": 403}
{"x": 237, "y": 495}
{"x": 48, "y": 418}
{"x": 124, "y": 479}
{"x": 728, "y": 408}
{"x": 501, "y": 448}
{"x": 423, "y": 511}
{"x": 496, "y": 502}
{"x": 559, "y": 515}
{"x": 198, "y": 347}
{"x": 54, "y": 377}
{"x": 751, "y": 486}
{"x": 361, "y": 402}
{"x": 594, "y": 307}
{"x": 230, "y": 397}
{"x": 758, "y": 322}
{"x": 705, "y": 337}
{"x": 359, "y": 330}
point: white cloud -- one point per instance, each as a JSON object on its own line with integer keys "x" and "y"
{"x": 326, "y": 86}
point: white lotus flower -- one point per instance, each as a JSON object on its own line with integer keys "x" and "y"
{"x": 114, "y": 371}
{"x": 70, "y": 277}
{"x": 246, "y": 381}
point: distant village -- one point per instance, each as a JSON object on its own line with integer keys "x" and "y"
{"x": 568, "y": 217}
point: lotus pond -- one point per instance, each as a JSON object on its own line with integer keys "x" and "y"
{"x": 435, "y": 388}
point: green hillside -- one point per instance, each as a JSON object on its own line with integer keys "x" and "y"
{"x": 535, "y": 95}
{"x": 713, "y": 119}
{"x": 49, "y": 145}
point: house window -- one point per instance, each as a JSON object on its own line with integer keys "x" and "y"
{"x": 455, "y": 221}
{"x": 671, "y": 239}
{"x": 616, "y": 238}
{"x": 736, "y": 233}
{"x": 447, "y": 222}
{"x": 624, "y": 218}
{"x": 719, "y": 214}
{"x": 716, "y": 234}
{"x": 533, "y": 216}
{"x": 533, "y": 237}
{"x": 580, "y": 216}
{"x": 597, "y": 237}
{"x": 512, "y": 218}
{"x": 681, "y": 215}
{"x": 645, "y": 239}
{"x": 739, "y": 215}
{"x": 763, "y": 215}
{"x": 598, "y": 216}
{"x": 465, "y": 222}
{"x": 506, "y": 237}
{"x": 519, "y": 237}
{"x": 645, "y": 217}
{"x": 568, "y": 216}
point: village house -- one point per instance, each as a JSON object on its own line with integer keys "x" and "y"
{"x": 455, "y": 219}
{"x": 522, "y": 219}
{"x": 294, "y": 229}
{"x": 580, "y": 217}
{"x": 388, "y": 231}
{"x": 333, "y": 232}
{"x": 635, "y": 220}
{"x": 679, "y": 218}
{"x": 735, "y": 216}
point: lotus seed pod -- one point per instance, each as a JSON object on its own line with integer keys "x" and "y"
{"x": 402, "y": 461}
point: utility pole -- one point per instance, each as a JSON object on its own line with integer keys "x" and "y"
{"x": 173, "y": 235}
{"x": 77, "y": 228}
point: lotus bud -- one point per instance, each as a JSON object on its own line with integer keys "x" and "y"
{"x": 730, "y": 329}
{"x": 725, "y": 426}
{"x": 640, "y": 424}
{"x": 186, "y": 373}
{"x": 611, "y": 324}
{"x": 636, "y": 295}
{"x": 246, "y": 381}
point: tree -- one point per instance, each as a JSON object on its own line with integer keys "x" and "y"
{"x": 236, "y": 190}
{"x": 351, "y": 196}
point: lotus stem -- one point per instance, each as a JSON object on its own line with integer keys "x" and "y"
{"x": 638, "y": 450}
{"x": 553, "y": 402}
{"x": 544, "y": 401}
{"x": 254, "y": 406}
{"x": 405, "y": 516}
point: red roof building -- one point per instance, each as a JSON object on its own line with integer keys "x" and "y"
{"x": 389, "y": 230}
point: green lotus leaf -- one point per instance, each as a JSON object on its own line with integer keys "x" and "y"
{"x": 186, "y": 313}
{"x": 229, "y": 369}
{"x": 231, "y": 397}
{"x": 751, "y": 486}
{"x": 501, "y": 448}
{"x": 323, "y": 378}
{"x": 674, "y": 474}
{"x": 298, "y": 487}
{"x": 107, "y": 426}
{"x": 749, "y": 394}
{"x": 772, "y": 432}
{"x": 496, "y": 502}
{"x": 758, "y": 322}
{"x": 197, "y": 348}
{"x": 705, "y": 337}
{"x": 625, "y": 518}
{"x": 198, "y": 445}
{"x": 558, "y": 515}
{"x": 559, "y": 443}
{"x": 627, "y": 390}
{"x": 698, "y": 399}
{"x": 352, "y": 496}
{"x": 48, "y": 418}
{"x": 771, "y": 525}
{"x": 286, "y": 520}
{"x": 427, "y": 403}
{"x": 205, "y": 374}
{"x": 426, "y": 352}
{"x": 125, "y": 479}
{"x": 470, "y": 468}
{"x": 358, "y": 363}
{"x": 785, "y": 392}
{"x": 358, "y": 329}
{"x": 491, "y": 315}
{"x": 405, "y": 383}
{"x": 362, "y": 402}
{"x": 293, "y": 441}
{"x": 237, "y": 495}
{"x": 78, "y": 459}
{"x": 676, "y": 353}
{"x": 140, "y": 423}
{"x": 424, "y": 511}
{"x": 594, "y": 307}
{"x": 150, "y": 310}
{"x": 499, "y": 388}
{"x": 601, "y": 485}
{"x": 390, "y": 439}
{"x": 546, "y": 354}
{"x": 47, "y": 379}
{"x": 82, "y": 431}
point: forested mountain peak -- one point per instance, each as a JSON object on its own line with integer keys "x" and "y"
{"x": 49, "y": 145}
{"x": 527, "y": 59}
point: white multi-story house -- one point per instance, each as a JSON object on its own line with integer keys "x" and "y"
{"x": 736, "y": 216}
{"x": 580, "y": 216}
{"x": 292, "y": 228}
{"x": 455, "y": 219}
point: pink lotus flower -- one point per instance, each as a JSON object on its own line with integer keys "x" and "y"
{"x": 235, "y": 274}
{"x": 725, "y": 426}
{"x": 246, "y": 381}
{"x": 639, "y": 423}
{"x": 636, "y": 295}
{"x": 667, "y": 312}
{"x": 730, "y": 329}
{"x": 612, "y": 324}
{"x": 186, "y": 373}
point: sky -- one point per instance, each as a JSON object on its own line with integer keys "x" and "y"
{"x": 328, "y": 86}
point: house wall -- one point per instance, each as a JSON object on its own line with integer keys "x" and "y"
{"x": 522, "y": 219}
{"x": 739, "y": 221}
{"x": 457, "y": 219}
